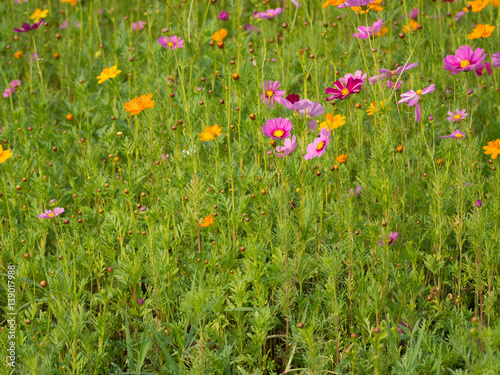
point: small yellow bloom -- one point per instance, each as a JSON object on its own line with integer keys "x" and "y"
{"x": 4, "y": 154}
{"x": 219, "y": 35}
{"x": 108, "y": 73}
{"x": 477, "y": 5}
{"x": 342, "y": 158}
{"x": 333, "y": 2}
{"x": 332, "y": 122}
{"x": 18, "y": 54}
{"x": 493, "y": 148}
{"x": 207, "y": 221}
{"x": 373, "y": 6}
{"x": 481, "y": 31}
{"x": 372, "y": 109}
{"x": 38, "y": 14}
{"x": 137, "y": 105}
{"x": 210, "y": 133}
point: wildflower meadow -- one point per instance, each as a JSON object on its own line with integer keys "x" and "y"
{"x": 241, "y": 187}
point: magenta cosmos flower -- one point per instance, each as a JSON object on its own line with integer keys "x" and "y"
{"x": 393, "y": 236}
{"x": 394, "y": 85}
{"x": 271, "y": 93}
{"x": 457, "y": 134}
{"x": 294, "y": 103}
{"x": 172, "y": 42}
{"x": 270, "y": 13}
{"x": 48, "y": 214}
{"x": 139, "y": 25}
{"x": 412, "y": 97}
{"x": 355, "y": 3}
{"x": 386, "y": 73}
{"x": 12, "y": 89}
{"x": 223, "y": 16}
{"x": 484, "y": 69}
{"x": 458, "y": 116}
{"x": 26, "y": 27}
{"x": 344, "y": 88}
{"x": 288, "y": 146}
{"x": 277, "y": 128}
{"x": 495, "y": 59}
{"x": 365, "y": 32}
{"x": 318, "y": 147}
{"x": 464, "y": 60}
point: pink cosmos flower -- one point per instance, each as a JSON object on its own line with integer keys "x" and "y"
{"x": 343, "y": 88}
{"x": 484, "y": 69}
{"x": 458, "y": 116}
{"x": 139, "y": 25}
{"x": 355, "y": 3}
{"x": 464, "y": 60}
{"x": 296, "y": 3}
{"x": 393, "y": 236}
{"x": 277, "y": 128}
{"x": 270, "y": 13}
{"x": 413, "y": 14}
{"x": 20, "y": 1}
{"x": 318, "y": 147}
{"x": 386, "y": 73}
{"x": 271, "y": 93}
{"x": 172, "y": 42}
{"x": 64, "y": 25}
{"x": 396, "y": 86}
{"x": 365, "y": 32}
{"x": 457, "y": 134}
{"x": 294, "y": 103}
{"x": 495, "y": 59}
{"x": 312, "y": 110}
{"x": 48, "y": 214}
{"x": 223, "y": 16}
{"x": 459, "y": 15}
{"x": 288, "y": 146}
{"x": 26, "y": 27}
{"x": 412, "y": 97}
{"x": 12, "y": 89}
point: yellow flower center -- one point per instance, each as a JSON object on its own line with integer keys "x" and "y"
{"x": 270, "y": 13}
{"x": 170, "y": 44}
{"x": 320, "y": 146}
{"x": 419, "y": 92}
{"x": 50, "y": 215}
{"x": 278, "y": 133}
{"x": 269, "y": 93}
{"x": 345, "y": 91}
{"x": 458, "y": 135}
{"x": 464, "y": 63}
{"x": 457, "y": 117}
{"x": 392, "y": 71}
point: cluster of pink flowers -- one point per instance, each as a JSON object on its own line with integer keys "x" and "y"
{"x": 12, "y": 89}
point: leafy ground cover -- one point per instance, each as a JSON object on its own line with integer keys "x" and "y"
{"x": 250, "y": 187}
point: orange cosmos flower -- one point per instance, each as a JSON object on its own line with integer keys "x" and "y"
{"x": 210, "y": 133}
{"x": 72, "y": 2}
{"x": 219, "y": 35}
{"x": 108, "y": 73}
{"x": 382, "y": 31}
{"x": 4, "y": 155}
{"x": 18, "y": 54}
{"x": 342, "y": 158}
{"x": 137, "y": 105}
{"x": 477, "y": 5}
{"x": 333, "y": 2}
{"x": 373, "y": 6}
{"x": 493, "y": 148}
{"x": 413, "y": 26}
{"x": 207, "y": 221}
{"x": 481, "y": 31}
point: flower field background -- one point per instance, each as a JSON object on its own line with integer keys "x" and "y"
{"x": 251, "y": 187}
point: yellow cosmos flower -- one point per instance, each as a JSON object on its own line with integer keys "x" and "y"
{"x": 477, "y": 5}
{"x": 207, "y": 221}
{"x": 332, "y": 122}
{"x": 481, "y": 31}
{"x": 137, "y": 105}
{"x": 219, "y": 35}
{"x": 493, "y": 148}
{"x": 373, "y": 6}
{"x": 18, "y": 54}
{"x": 333, "y": 2}
{"x": 210, "y": 133}
{"x": 341, "y": 158}
{"x": 108, "y": 73}
{"x": 372, "y": 109}
{"x": 38, "y": 14}
{"x": 4, "y": 154}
